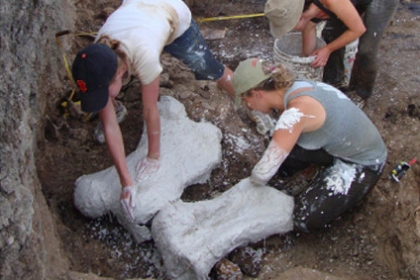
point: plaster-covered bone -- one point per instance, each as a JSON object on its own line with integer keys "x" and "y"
{"x": 189, "y": 152}
{"x": 192, "y": 237}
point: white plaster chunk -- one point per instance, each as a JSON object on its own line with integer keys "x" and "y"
{"x": 192, "y": 237}
{"x": 189, "y": 152}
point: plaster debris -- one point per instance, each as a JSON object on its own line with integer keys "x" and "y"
{"x": 288, "y": 119}
{"x": 192, "y": 237}
{"x": 189, "y": 152}
{"x": 340, "y": 177}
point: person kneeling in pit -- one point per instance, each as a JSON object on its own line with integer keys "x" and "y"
{"x": 318, "y": 125}
{"x": 131, "y": 42}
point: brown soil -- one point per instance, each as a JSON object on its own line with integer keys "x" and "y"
{"x": 376, "y": 240}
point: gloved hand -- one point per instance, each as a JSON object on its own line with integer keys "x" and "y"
{"x": 146, "y": 168}
{"x": 265, "y": 124}
{"x": 127, "y": 202}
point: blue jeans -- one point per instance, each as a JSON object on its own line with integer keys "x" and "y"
{"x": 192, "y": 50}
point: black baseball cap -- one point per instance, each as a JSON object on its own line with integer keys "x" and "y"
{"x": 93, "y": 69}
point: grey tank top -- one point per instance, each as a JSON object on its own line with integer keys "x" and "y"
{"x": 347, "y": 132}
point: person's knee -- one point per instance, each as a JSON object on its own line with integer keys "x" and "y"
{"x": 310, "y": 217}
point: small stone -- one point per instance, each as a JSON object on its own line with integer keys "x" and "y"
{"x": 184, "y": 95}
{"x": 248, "y": 260}
{"x": 208, "y": 106}
{"x": 165, "y": 81}
{"x": 10, "y": 240}
{"x": 227, "y": 270}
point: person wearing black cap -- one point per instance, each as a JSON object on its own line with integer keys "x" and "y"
{"x": 131, "y": 42}
{"x": 346, "y": 21}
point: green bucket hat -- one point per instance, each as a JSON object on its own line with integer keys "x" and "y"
{"x": 247, "y": 75}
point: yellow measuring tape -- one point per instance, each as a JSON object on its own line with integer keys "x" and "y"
{"x": 86, "y": 116}
{"x": 229, "y": 17}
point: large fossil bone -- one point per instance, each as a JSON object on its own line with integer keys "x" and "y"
{"x": 192, "y": 237}
{"x": 189, "y": 152}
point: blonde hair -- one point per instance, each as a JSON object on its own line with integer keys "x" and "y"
{"x": 280, "y": 78}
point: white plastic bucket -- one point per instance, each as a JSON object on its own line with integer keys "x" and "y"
{"x": 287, "y": 50}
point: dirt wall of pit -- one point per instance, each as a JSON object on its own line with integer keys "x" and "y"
{"x": 31, "y": 83}
{"x": 29, "y": 247}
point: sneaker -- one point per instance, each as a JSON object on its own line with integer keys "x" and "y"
{"x": 121, "y": 113}
{"x": 265, "y": 124}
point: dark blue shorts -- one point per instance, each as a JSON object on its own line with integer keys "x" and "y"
{"x": 192, "y": 49}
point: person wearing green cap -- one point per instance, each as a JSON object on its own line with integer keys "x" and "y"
{"x": 318, "y": 125}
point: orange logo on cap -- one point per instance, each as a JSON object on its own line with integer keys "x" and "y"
{"x": 82, "y": 85}
{"x": 254, "y": 62}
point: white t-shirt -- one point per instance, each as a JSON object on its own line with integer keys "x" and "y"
{"x": 144, "y": 28}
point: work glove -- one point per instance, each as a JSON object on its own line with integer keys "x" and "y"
{"x": 127, "y": 202}
{"x": 146, "y": 168}
{"x": 265, "y": 124}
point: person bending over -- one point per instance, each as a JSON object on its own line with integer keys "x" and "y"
{"x": 318, "y": 125}
{"x": 346, "y": 21}
{"x": 131, "y": 42}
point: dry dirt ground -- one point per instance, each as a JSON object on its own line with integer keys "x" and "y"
{"x": 377, "y": 240}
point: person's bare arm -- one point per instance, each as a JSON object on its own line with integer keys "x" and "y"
{"x": 150, "y": 94}
{"x": 284, "y": 139}
{"x": 115, "y": 142}
{"x": 348, "y": 14}
{"x": 309, "y": 39}
{"x": 304, "y": 114}
{"x": 151, "y": 163}
{"x": 277, "y": 151}
{"x": 308, "y": 30}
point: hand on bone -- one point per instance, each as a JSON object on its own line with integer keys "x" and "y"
{"x": 146, "y": 168}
